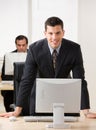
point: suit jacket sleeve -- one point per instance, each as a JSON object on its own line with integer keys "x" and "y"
{"x": 78, "y": 72}
{"x": 27, "y": 80}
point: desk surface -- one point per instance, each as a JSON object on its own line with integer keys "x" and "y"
{"x": 20, "y": 124}
{"x": 6, "y": 86}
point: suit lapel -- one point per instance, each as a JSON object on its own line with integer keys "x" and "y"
{"x": 61, "y": 57}
{"x": 48, "y": 58}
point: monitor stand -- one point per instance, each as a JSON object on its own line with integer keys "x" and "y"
{"x": 58, "y": 126}
{"x": 58, "y": 117}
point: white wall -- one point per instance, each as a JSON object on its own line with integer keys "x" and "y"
{"x": 13, "y": 21}
{"x": 67, "y": 10}
{"x": 87, "y": 39}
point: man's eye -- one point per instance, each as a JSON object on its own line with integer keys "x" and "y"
{"x": 50, "y": 33}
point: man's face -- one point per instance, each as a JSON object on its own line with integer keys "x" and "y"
{"x": 54, "y": 35}
{"x": 21, "y": 45}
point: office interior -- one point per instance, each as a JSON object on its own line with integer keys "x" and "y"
{"x": 28, "y": 16}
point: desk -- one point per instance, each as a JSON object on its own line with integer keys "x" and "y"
{"x": 20, "y": 124}
{"x": 6, "y": 86}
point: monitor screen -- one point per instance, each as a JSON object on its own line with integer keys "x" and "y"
{"x": 67, "y": 91}
{"x": 10, "y": 58}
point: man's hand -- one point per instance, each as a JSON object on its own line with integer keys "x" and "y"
{"x": 89, "y": 114}
{"x": 14, "y": 113}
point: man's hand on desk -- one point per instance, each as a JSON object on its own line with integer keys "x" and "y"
{"x": 18, "y": 110}
{"x": 14, "y": 113}
{"x": 89, "y": 114}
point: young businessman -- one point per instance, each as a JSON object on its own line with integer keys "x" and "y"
{"x": 21, "y": 43}
{"x": 39, "y": 60}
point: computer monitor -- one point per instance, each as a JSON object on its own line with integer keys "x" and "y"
{"x": 10, "y": 58}
{"x": 49, "y": 91}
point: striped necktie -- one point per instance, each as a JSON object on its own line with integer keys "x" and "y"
{"x": 54, "y": 56}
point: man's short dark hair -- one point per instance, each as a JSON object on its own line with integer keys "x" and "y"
{"x": 21, "y": 37}
{"x": 53, "y": 21}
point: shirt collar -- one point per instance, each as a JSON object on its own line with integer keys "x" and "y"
{"x": 51, "y": 49}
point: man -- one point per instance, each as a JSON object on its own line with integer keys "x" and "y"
{"x": 21, "y": 43}
{"x": 39, "y": 61}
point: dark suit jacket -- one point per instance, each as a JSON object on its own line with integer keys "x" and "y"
{"x": 39, "y": 60}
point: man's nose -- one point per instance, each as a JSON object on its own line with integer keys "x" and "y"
{"x": 54, "y": 36}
